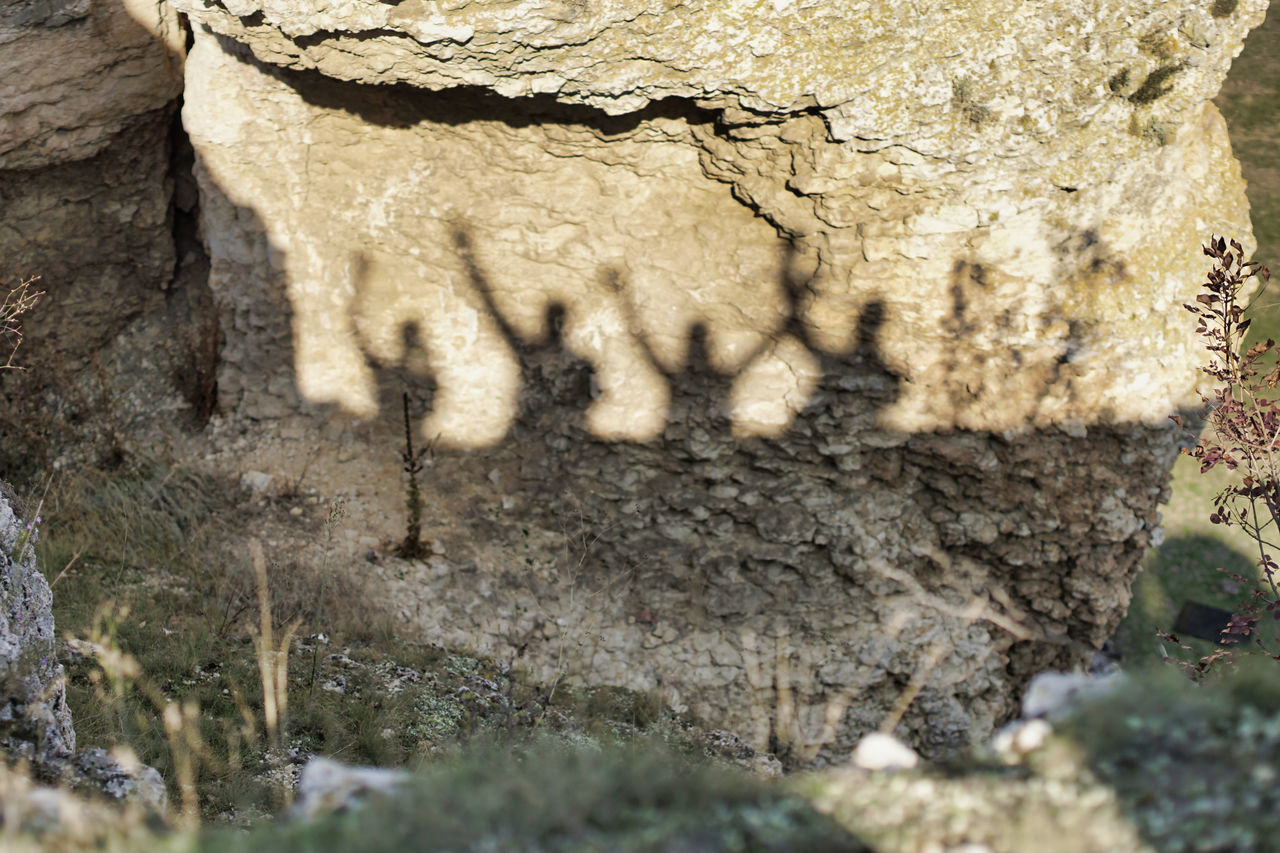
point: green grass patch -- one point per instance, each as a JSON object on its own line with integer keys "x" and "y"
{"x": 1250, "y": 102}
{"x": 151, "y": 574}
{"x": 1185, "y": 568}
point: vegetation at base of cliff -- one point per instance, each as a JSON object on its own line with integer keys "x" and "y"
{"x": 1159, "y": 764}
{"x": 1184, "y": 568}
{"x": 145, "y": 567}
{"x": 1240, "y": 436}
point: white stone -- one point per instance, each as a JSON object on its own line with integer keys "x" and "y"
{"x": 879, "y": 751}
{"x": 1019, "y": 738}
{"x": 255, "y": 481}
{"x": 327, "y": 785}
{"x": 1052, "y": 694}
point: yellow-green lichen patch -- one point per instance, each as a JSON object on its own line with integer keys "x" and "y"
{"x": 437, "y": 717}
{"x": 1159, "y": 131}
{"x": 1163, "y": 46}
{"x": 1154, "y": 130}
{"x": 962, "y": 99}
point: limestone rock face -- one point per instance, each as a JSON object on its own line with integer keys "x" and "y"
{"x": 840, "y": 341}
{"x": 88, "y": 90}
{"x": 35, "y": 723}
{"x": 74, "y": 74}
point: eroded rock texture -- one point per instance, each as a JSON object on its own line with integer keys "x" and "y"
{"x": 1017, "y": 173}
{"x": 837, "y": 343}
{"x": 85, "y": 102}
{"x": 35, "y": 722}
{"x": 88, "y": 95}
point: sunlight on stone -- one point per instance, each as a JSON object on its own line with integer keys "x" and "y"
{"x": 659, "y": 277}
{"x": 773, "y": 389}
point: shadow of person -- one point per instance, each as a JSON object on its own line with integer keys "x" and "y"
{"x": 409, "y": 372}
{"x": 556, "y": 385}
{"x": 854, "y": 383}
{"x": 701, "y": 392}
{"x": 701, "y": 405}
{"x": 885, "y": 385}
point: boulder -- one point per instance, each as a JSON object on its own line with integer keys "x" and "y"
{"x": 327, "y": 786}
{"x": 809, "y": 368}
{"x": 837, "y": 347}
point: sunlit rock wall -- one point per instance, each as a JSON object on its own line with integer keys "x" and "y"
{"x": 808, "y": 366}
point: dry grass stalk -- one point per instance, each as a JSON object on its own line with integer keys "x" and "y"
{"x": 779, "y": 698}
{"x": 928, "y": 663}
{"x": 182, "y": 726}
{"x": 273, "y": 659}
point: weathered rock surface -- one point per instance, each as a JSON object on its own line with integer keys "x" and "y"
{"x": 803, "y": 366}
{"x": 88, "y": 95}
{"x": 810, "y": 367}
{"x": 35, "y": 723}
{"x": 1018, "y": 193}
{"x": 75, "y": 74}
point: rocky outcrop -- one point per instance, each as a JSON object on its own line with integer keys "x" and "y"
{"x": 1015, "y": 192}
{"x": 808, "y": 368}
{"x": 35, "y": 723}
{"x": 85, "y": 104}
{"x": 839, "y": 346}
{"x": 88, "y": 96}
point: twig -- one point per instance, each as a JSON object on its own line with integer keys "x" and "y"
{"x": 412, "y": 548}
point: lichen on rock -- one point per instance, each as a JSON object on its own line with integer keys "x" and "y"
{"x": 35, "y": 722}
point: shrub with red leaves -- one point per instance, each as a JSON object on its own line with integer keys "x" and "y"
{"x": 1243, "y": 433}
